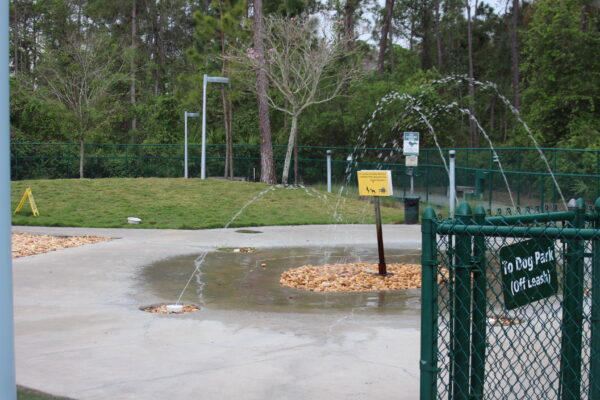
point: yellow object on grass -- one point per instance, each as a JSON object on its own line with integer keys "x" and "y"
{"x": 28, "y": 195}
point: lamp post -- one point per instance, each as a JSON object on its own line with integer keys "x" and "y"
{"x": 207, "y": 79}
{"x": 8, "y": 388}
{"x": 185, "y": 141}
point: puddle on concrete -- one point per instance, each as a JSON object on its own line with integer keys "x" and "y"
{"x": 236, "y": 281}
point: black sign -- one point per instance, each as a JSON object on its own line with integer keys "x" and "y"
{"x": 528, "y": 272}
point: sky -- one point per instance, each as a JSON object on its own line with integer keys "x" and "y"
{"x": 500, "y": 6}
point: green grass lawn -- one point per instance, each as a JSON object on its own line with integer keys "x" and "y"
{"x": 28, "y": 394}
{"x": 179, "y": 203}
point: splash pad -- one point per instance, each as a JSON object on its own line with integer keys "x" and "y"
{"x": 252, "y": 281}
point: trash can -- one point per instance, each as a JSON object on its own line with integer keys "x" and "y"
{"x": 411, "y": 209}
{"x": 480, "y": 178}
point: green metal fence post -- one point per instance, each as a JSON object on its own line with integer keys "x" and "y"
{"x": 542, "y": 192}
{"x": 467, "y": 156}
{"x": 462, "y": 303}
{"x": 16, "y": 147}
{"x": 491, "y": 188}
{"x": 595, "y": 313}
{"x": 572, "y": 310}
{"x": 427, "y": 177}
{"x": 127, "y": 160}
{"x": 598, "y": 173}
{"x": 429, "y": 307}
{"x": 554, "y": 193}
{"x": 520, "y": 160}
{"x": 478, "y": 327}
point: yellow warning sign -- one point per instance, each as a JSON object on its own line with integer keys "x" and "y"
{"x": 28, "y": 195}
{"x": 375, "y": 183}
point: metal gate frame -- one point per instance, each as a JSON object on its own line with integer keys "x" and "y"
{"x": 466, "y": 262}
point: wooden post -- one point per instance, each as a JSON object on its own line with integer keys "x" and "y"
{"x": 382, "y": 265}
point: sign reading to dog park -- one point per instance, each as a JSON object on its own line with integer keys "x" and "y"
{"x": 411, "y": 144}
{"x": 375, "y": 183}
{"x": 528, "y": 272}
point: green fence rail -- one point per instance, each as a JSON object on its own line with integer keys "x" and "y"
{"x": 511, "y": 305}
{"x": 577, "y": 172}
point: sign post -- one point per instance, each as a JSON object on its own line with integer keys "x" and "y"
{"x": 329, "y": 171}
{"x": 186, "y": 115}
{"x": 376, "y": 184}
{"x": 411, "y": 151}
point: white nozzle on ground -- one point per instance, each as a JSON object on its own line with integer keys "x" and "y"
{"x": 175, "y": 308}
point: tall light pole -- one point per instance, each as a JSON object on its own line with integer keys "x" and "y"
{"x": 185, "y": 141}
{"x": 207, "y": 79}
{"x": 8, "y": 389}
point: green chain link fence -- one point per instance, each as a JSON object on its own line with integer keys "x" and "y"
{"x": 511, "y": 305}
{"x": 477, "y": 170}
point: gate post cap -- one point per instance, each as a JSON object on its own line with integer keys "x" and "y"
{"x": 464, "y": 209}
{"x": 429, "y": 213}
{"x": 480, "y": 210}
{"x": 576, "y": 204}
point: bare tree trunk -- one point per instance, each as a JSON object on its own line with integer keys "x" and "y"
{"x": 132, "y": 88}
{"x": 267, "y": 170}
{"x": 230, "y": 144}
{"x": 514, "y": 51}
{"x": 296, "y": 161}
{"x": 290, "y": 148}
{"x": 411, "y": 38}
{"x": 156, "y": 45}
{"x": 226, "y": 108}
{"x": 81, "y": 155}
{"x": 385, "y": 28}
{"x": 228, "y": 132}
{"x": 474, "y": 135}
{"x": 492, "y": 114}
{"x": 349, "y": 10}
{"x": 438, "y": 36}
{"x": 35, "y": 49}
{"x": 392, "y": 53}
{"x": 16, "y": 42}
{"x": 426, "y": 61}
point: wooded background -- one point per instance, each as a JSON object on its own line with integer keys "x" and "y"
{"x": 124, "y": 71}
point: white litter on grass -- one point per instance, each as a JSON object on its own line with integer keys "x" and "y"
{"x": 133, "y": 220}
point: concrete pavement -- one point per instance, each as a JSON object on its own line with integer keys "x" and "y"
{"x": 80, "y": 333}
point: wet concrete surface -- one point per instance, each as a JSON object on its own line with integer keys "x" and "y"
{"x": 250, "y": 281}
{"x": 80, "y": 333}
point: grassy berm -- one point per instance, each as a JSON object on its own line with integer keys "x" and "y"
{"x": 28, "y": 394}
{"x": 178, "y": 203}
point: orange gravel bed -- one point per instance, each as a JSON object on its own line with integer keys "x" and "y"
{"x": 26, "y": 244}
{"x": 357, "y": 277}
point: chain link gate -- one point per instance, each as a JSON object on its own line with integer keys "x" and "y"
{"x": 504, "y": 317}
